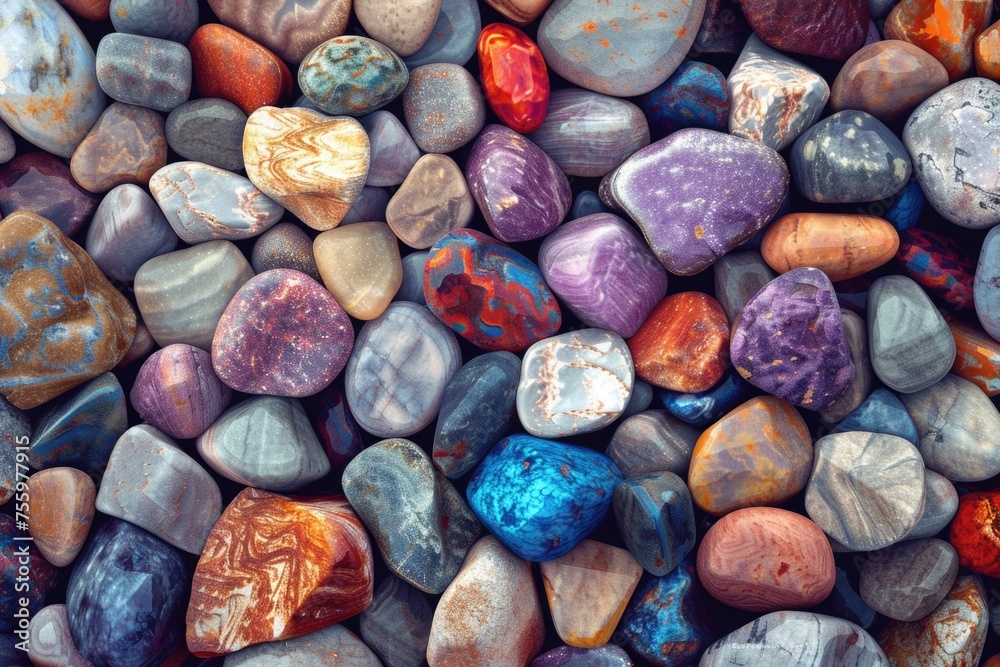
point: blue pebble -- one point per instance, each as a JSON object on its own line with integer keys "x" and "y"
{"x": 542, "y": 498}
{"x": 882, "y": 412}
{"x": 707, "y": 407}
{"x": 586, "y": 203}
{"x": 655, "y": 517}
{"x": 642, "y": 396}
{"x": 695, "y": 95}
{"x": 909, "y": 203}
{"x": 412, "y": 288}
{"x": 453, "y": 38}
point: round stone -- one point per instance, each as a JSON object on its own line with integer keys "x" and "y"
{"x": 352, "y": 76}
{"x": 146, "y": 71}
{"x": 444, "y": 107}
{"x": 834, "y": 29}
{"x": 652, "y": 441}
{"x": 287, "y": 27}
{"x": 360, "y": 265}
{"x": 986, "y": 288}
{"x": 126, "y": 145}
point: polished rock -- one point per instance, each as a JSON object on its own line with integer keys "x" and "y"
{"x": 939, "y": 265}
{"x": 352, "y": 76}
{"x": 360, "y": 266}
{"x": 208, "y": 130}
{"x": 695, "y": 95}
{"x": 146, "y": 71}
{"x": 706, "y": 407}
{"x": 514, "y": 77}
{"x": 315, "y": 648}
{"x": 978, "y": 356}
{"x": 433, "y": 200}
{"x": 287, "y": 27}
{"x": 50, "y": 642}
{"x": 285, "y": 246}
{"x": 986, "y": 287}
{"x": 655, "y": 517}
{"x": 453, "y": 38}
{"x": 175, "y": 21}
{"x": 62, "y": 510}
{"x": 909, "y": 580}
{"x": 444, "y": 107}
{"x": 127, "y": 144}
{"x": 402, "y": 25}
{"x": 834, "y": 29}
{"x": 944, "y": 30}
{"x": 856, "y": 334}
{"x": 881, "y": 412}
{"x": 738, "y": 277}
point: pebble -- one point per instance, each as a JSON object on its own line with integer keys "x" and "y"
{"x": 694, "y": 96}
{"x": 723, "y": 28}
{"x": 434, "y": 199}
{"x": 360, "y": 266}
{"x": 581, "y": 41}
{"x": 62, "y": 509}
{"x": 7, "y": 146}
{"x": 887, "y": 79}
{"x": 652, "y": 441}
{"x": 313, "y": 165}
{"x": 412, "y": 288}
{"x": 453, "y": 38}
{"x": 50, "y": 94}
{"x": 773, "y": 98}
{"x": 333, "y": 642}
{"x": 335, "y": 425}
{"x": 265, "y": 442}
{"x": 833, "y": 30}
{"x": 393, "y": 153}
{"x": 290, "y": 29}
{"x": 396, "y": 375}
{"x": 608, "y": 655}
{"x": 352, "y": 76}
{"x": 489, "y": 294}
{"x": 986, "y": 52}
{"x": 589, "y": 134}
{"x": 972, "y": 532}
{"x": 85, "y": 328}
{"x": 182, "y": 294}
{"x": 541, "y": 498}
{"x": 496, "y": 588}
{"x": 939, "y": 265}
{"x": 285, "y": 246}
{"x": 397, "y": 625}
{"x": 707, "y": 407}
{"x": 856, "y": 334}
{"x": 126, "y": 145}
{"x": 881, "y": 412}
{"x": 514, "y": 77}
{"x": 15, "y": 427}
{"x": 736, "y": 187}
{"x": 92, "y": 10}
{"x": 317, "y": 570}
{"x": 477, "y": 410}
{"x": 208, "y": 130}
{"x": 953, "y": 138}
{"x": 175, "y": 21}
{"x": 402, "y": 25}
{"x": 763, "y": 559}
{"x": 940, "y": 506}
{"x": 443, "y": 106}
{"x": 911, "y": 345}
{"x": 655, "y": 517}
{"x": 587, "y": 202}
{"x": 738, "y": 277}
{"x": 50, "y": 641}
{"x": 978, "y": 356}
{"x": 235, "y": 68}
{"x": 519, "y": 12}
{"x": 42, "y": 183}
{"x": 945, "y": 31}
{"x": 985, "y": 291}
{"x": 907, "y": 581}
{"x": 369, "y": 206}
{"x": 908, "y": 204}
{"x": 146, "y": 71}
{"x": 520, "y": 190}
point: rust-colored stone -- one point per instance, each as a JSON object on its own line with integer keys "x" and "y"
{"x": 943, "y": 28}
{"x": 977, "y": 357}
{"x": 92, "y": 10}
{"x": 987, "y": 52}
{"x": 62, "y": 509}
{"x": 128, "y": 144}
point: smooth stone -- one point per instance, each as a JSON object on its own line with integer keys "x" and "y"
{"x": 433, "y": 200}
{"x": 849, "y": 157}
{"x": 791, "y": 638}
{"x": 443, "y": 106}
{"x": 335, "y": 643}
{"x": 520, "y": 190}
{"x": 81, "y": 427}
{"x": 574, "y": 383}
{"x": 773, "y": 98}
{"x": 50, "y": 642}
{"x": 369, "y": 206}
{"x": 738, "y": 277}
{"x": 736, "y": 187}
{"x": 866, "y": 490}
{"x": 353, "y": 76}
{"x": 182, "y": 294}
{"x": 939, "y": 265}
{"x": 15, "y": 428}
{"x": 453, "y": 37}
{"x": 641, "y": 398}
{"x": 178, "y": 392}
{"x": 265, "y": 442}
{"x": 723, "y": 29}
{"x": 655, "y": 517}
{"x": 910, "y": 343}
{"x": 141, "y": 347}
{"x": 856, "y": 333}
{"x": 514, "y": 77}
{"x": 284, "y": 246}
{"x": 986, "y": 287}
{"x": 126, "y": 595}
{"x": 496, "y": 588}
{"x": 412, "y": 287}
{"x": 706, "y": 407}
{"x": 972, "y": 533}
{"x": 694, "y": 96}
{"x": 402, "y": 25}
{"x": 425, "y": 544}
{"x": 128, "y": 229}
{"x": 175, "y": 21}
{"x": 477, "y": 410}
{"x": 62, "y": 509}
{"x": 208, "y": 130}
{"x": 28, "y": 580}
{"x": 146, "y": 71}
{"x": 795, "y": 321}
{"x": 488, "y": 293}
{"x": 940, "y": 506}
{"x": 978, "y": 356}
{"x": 986, "y": 52}
{"x": 519, "y": 12}
{"x": 7, "y": 147}
{"x": 91, "y": 10}
{"x": 953, "y": 138}
{"x": 907, "y": 581}
{"x": 41, "y": 183}
{"x": 360, "y": 266}
{"x": 834, "y": 29}
{"x": 151, "y": 483}
{"x": 581, "y": 41}
{"x": 587, "y": 202}
{"x": 316, "y": 571}
{"x": 127, "y": 144}
{"x": 845, "y": 603}
{"x": 881, "y": 412}
{"x": 50, "y": 92}
{"x": 84, "y": 325}
{"x": 905, "y": 211}
{"x": 287, "y": 27}
{"x": 608, "y": 655}
{"x": 393, "y": 153}
{"x": 604, "y": 272}
{"x": 335, "y": 425}
{"x": 666, "y": 622}
{"x": 887, "y": 79}
{"x": 541, "y": 498}
{"x": 396, "y": 375}
{"x": 397, "y": 625}
{"x": 759, "y": 454}
{"x": 313, "y": 165}
{"x": 946, "y": 31}
{"x": 652, "y": 441}
{"x": 956, "y": 423}
{"x": 763, "y": 559}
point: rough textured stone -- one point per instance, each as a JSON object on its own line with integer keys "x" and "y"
{"x": 402, "y": 25}
{"x": 285, "y": 246}
{"x": 334, "y": 642}
{"x": 944, "y": 30}
{"x": 360, "y": 266}
{"x": 42, "y": 183}
{"x": 444, "y": 107}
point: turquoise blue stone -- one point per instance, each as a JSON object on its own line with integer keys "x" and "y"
{"x": 453, "y": 39}
{"x": 844, "y": 602}
{"x": 40, "y": 581}
{"x": 352, "y": 76}
{"x": 666, "y": 622}
{"x": 707, "y": 407}
{"x": 695, "y": 95}
{"x": 127, "y": 597}
{"x": 541, "y": 498}
{"x": 909, "y": 203}
{"x": 882, "y": 412}
{"x": 655, "y": 517}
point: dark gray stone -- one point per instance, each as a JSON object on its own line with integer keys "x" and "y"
{"x": 653, "y": 441}
{"x": 907, "y": 581}
{"x": 208, "y": 130}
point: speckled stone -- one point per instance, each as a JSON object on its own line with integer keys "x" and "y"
{"x": 284, "y": 246}
{"x": 723, "y": 29}
{"x": 856, "y": 334}
{"x": 208, "y": 130}
{"x": 652, "y": 441}
{"x": 396, "y": 375}
{"x": 7, "y": 146}
{"x": 397, "y": 625}
{"x": 402, "y": 25}
{"x": 907, "y": 581}
{"x": 126, "y": 145}
{"x": 352, "y": 76}
{"x": 50, "y": 642}
{"x": 334, "y": 642}
{"x": 434, "y": 199}
{"x": 453, "y": 38}
{"x": 360, "y": 266}
{"x": 986, "y": 288}
{"x": 940, "y": 506}
{"x": 694, "y": 96}
{"x": 946, "y": 31}
{"x": 608, "y": 655}
{"x": 146, "y": 71}
{"x": 655, "y": 517}
{"x": 444, "y": 107}
{"x": 707, "y": 407}
{"x": 42, "y": 183}
{"x": 881, "y": 412}
{"x": 412, "y": 287}
{"x": 393, "y": 153}
{"x": 175, "y": 21}
{"x": 738, "y": 277}
{"x": 287, "y": 27}
{"x": 61, "y": 512}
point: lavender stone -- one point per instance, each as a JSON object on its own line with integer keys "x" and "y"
{"x": 393, "y": 152}
{"x": 608, "y": 655}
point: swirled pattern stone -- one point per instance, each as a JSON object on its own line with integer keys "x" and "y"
{"x": 352, "y": 76}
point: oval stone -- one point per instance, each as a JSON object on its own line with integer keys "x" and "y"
{"x": 940, "y": 506}
{"x": 42, "y": 183}
{"x": 432, "y": 201}
{"x": 909, "y": 580}
{"x": 652, "y": 441}
{"x": 352, "y": 76}
{"x": 444, "y": 107}
{"x": 360, "y": 267}
{"x": 986, "y": 288}
{"x": 453, "y": 38}
{"x": 833, "y": 29}
{"x": 149, "y": 72}
{"x": 287, "y": 27}
{"x": 402, "y": 25}
{"x": 208, "y": 130}
{"x": 175, "y": 21}
{"x": 126, "y": 145}
{"x": 62, "y": 510}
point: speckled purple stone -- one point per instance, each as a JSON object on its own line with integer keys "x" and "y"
{"x": 608, "y": 655}
{"x": 177, "y": 391}
{"x": 603, "y": 270}
{"x": 520, "y": 190}
{"x": 790, "y": 342}
{"x": 698, "y": 194}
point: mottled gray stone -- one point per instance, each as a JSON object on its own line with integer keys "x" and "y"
{"x": 738, "y": 277}
{"x": 7, "y": 146}
{"x": 285, "y": 246}
{"x": 209, "y": 130}
{"x": 856, "y": 334}
{"x": 332, "y": 645}
{"x": 906, "y": 582}
{"x": 145, "y": 71}
{"x": 412, "y": 288}
{"x": 398, "y": 623}
{"x": 393, "y": 152}
{"x": 940, "y": 506}
{"x": 15, "y": 431}
{"x": 453, "y": 38}
{"x": 176, "y": 20}
{"x": 653, "y": 441}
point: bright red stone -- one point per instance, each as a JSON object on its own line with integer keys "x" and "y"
{"x": 975, "y": 532}
{"x": 514, "y": 76}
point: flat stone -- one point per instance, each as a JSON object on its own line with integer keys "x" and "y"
{"x": 127, "y": 144}
{"x": 433, "y": 200}
{"x": 285, "y": 246}
{"x": 833, "y": 30}
{"x": 939, "y": 265}
{"x": 444, "y": 107}
{"x": 288, "y": 28}
{"x": 856, "y": 334}
{"x": 453, "y": 37}
{"x": 945, "y": 32}
{"x": 174, "y": 21}
{"x": 62, "y": 509}
{"x": 360, "y": 266}
{"x": 694, "y": 96}
{"x": 608, "y": 655}
{"x": 907, "y": 581}
{"x": 881, "y": 412}
{"x": 352, "y": 76}
{"x": 393, "y": 153}
{"x": 940, "y": 506}
{"x": 208, "y": 130}
{"x": 402, "y": 25}
{"x": 985, "y": 290}
{"x": 652, "y": 441}
{"x": 412, "y": 287}
{"x": 334, "y": 641}
{"x": 656, "y": 520}
{"x": 146, "y": 71}
{"x": 706, "y": 407}
{"x": 397, "y": 625}
{"x": 41, "y": 183}
{"x": 738, "y": 277}
{"x": 978, "y": 356}
{"x": 514, "y": 77}
{"x": 50, "y": 641}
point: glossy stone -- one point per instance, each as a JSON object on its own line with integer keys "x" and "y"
{"x": 940, "y": 506}
{"x": 175, "y": 21}
{"x": 655, "y": 517}
{"x": 845, "y": 603}
{"x": 290, "y": 29}
{"x": 397, "y": 625}
{"x": 62, "y": 509}
{"x": 453, "y": 38}
{"x": 433, "y": 200}
{"x": 973, "y": 529}
{"x": 856, "y": 334}
{"x": 652, "y": 441}
{"x": 84, "y": 325}
{"x": 694, "y": 96}
{"x": 412, "y": 288}
{"x": 911, "y": 345}
{"x": 938, "y": 264}
{"x": 587, "y": 202}
{"x": 443, "y": 106}
{"x": 881, "y": 412}
{"x": 277, "y": 567}
{"x": 149, "y": 72}
{"x": 738, "y": 277}
{"x": 706, "y": 407}
{"x": 735, "y": 185}
{"x": 208, "y": 130}
{"x": 402, "y": 25}
{"x": 723, "y": 28}
{"x": 352, "y": 76}
{"x": 360, "y": 266}
{"x": 396, "y": 375}
{"x": 909, "y": 580}
{"x": 42, "y": 184}
{"x": 834, "y": 29}
{"x": 126, "y": 145}
{"x": 50, "y": 642}
{"x": 608, "y": 655}
{"x": 127, "y": 230}
{"x": 333, "y": 642}
{"x": 488, "y": 293}
{"x": 514, "y": 76}
{"x": 978, "y": 356}
{"x": 393, "y": 153}
{"x": 285, "y": 246}
{"x": 906, "y": 207}
{"x": 369, "y": 206}
{"x": 985, "y": 291}
{"x": 945, "y": 31}
{"x": 142, "y": 345}
{"x": 986, "y": 52}
{"x": 92, "y": 10}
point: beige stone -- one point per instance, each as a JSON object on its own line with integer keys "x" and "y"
{"x": 432, "y": 201}
{"x": 361, "y": 266}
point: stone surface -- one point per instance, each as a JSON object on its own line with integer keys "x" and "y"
{"x": 16, "y": 429}
{"x": 335, "y": 425}
{"x": 652, "y": 441}
{"x": 945, "y": 31}
{"x": 50, "y": 642}
{"x": 402, "y": 25}
{"x": 443, "y": 106}
{"x": 208, "y": 130}
{"x": 62, "y": 509}
{"x": 723, "y": 29}
{"x": 694, "y": 96}
{"x": 587, "y": 202}
{"x": 520, "y": 12}
{"x": 986, "y": 52}
{"x": 175, "y": 21}
{"x": 856, "y": 333}
{"x": 978, "y": 356}
{"x": 434, "y": 199}
{"x": 514, "y": 76}
{"x": 7, "y": 146}
{"x": 147, "y": 71}
{"x": 360, "y": 266}
{"x": 41, "y": 183}
{"x": 939, "y": 265}
{"x": 397, "y": 625}
{"x": 128, "y": 229}
{"x": 973, "y": 531}
{"x": 393, "y": 153}
{"x": 940, "y": 506}
{"x": 608, "y": 655}
{"x": 285, "y": 246}
{"x": 985, "y": 291}
{"x": 334, "y": 642}
{"x": 412, "y": 288}
{"x": 655, "y": 517}
{"x": 369, "y": 206}
{"x": 738, "y": 277}
{"x": 290, "y": 29}
{"x": 706, "y": 407}
{"x": 126, "y": 145}
{"x": 453, "y": 38}
{"x": 881, "y": 412}
{"x": 27, "y": 578}
{"x": 352, "y": 76}
{"x": 833, "y": 30}
{"x": 909, "y": 580}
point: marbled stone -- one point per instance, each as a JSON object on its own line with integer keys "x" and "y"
{"x": 402, "y": 25}
{"x": 208, "y": 130}
{"x": 907, "y": 581}
{"x": 453, "y": 38}
{"x": 333, "y": 643}
{"x": 514, "y": 77}
{"x": 393, "y": 153}
{"x": 694, "y": 96}
{"x": 288, "y": 28}
{"x": 940, "y": 506}
{"x": 360, "y": 266}
{"x": 434, "y": 199}
{"x": 443, "y": 106}
{"x": 285, "y": 246}
{"x": 944, "y": 30}
{"x": 352, "y": 76}
{"x": 175, "y": 21}
{"x": 126, "y": 145}
{"x": 833, "y": 29}
{"x": 41, "y": 183}
{"x": 986, "y": 288}
{"x": 939, "y": 265}
{"x": 50, "y": 642}
{"x": 698, "y": 194}
{"x": 396, "y": 375}
{"x": 652, "y": 441}
{"x": 412, "y": 287}
{"x": 881, "y": 412}
{"x": 61, "y": 511}
{"x": 655, "y": 517}
{"x": 128, "y": 229}
{"x": 397, "y": 625}
{"x": 265, "y": 442}
{"x": 608, "y": 655}
{"x": 146, "y": 71}
{"x": 978, "y": 356}
{"x": 334, "y": 424}
{"x": 707, "y": 407}
{"x": 738, "y": 277}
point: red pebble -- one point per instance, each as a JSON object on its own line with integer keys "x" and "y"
{"x": 514, "y": 76}
{"x": 975, "y": 532}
